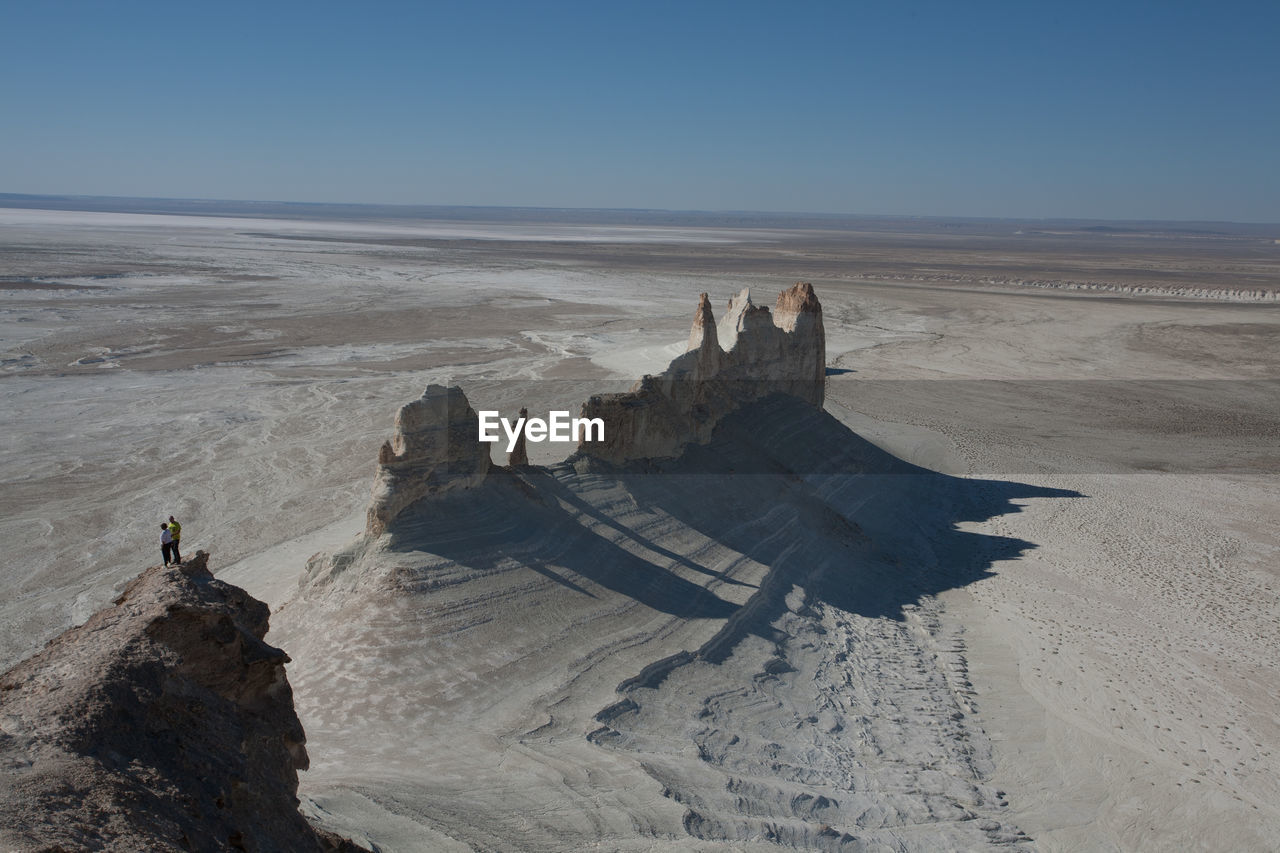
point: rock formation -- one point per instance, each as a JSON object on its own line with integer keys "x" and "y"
{"x": 436, "y": 448}
{"x": 163, "y": 723}
{"x": 751, "y": 354}
{"x": 519, "y": 454}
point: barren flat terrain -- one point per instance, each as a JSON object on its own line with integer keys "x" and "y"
{"x": 1049, "y": 619}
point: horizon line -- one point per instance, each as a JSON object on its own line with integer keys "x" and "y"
{"x": 70, "y": 197}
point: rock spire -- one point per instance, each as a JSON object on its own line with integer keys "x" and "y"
{"x": 436, "y": 448}
{"x": 749, "y": 355}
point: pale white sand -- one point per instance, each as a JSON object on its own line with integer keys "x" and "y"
{"x": 1126, "y": 667}
{"x": 1116, "y": 681}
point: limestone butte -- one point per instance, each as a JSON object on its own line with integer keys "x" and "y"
{"x": 436, "y": 448}
{"x": 163, "y": 723}
{"x": 751, "y": 354}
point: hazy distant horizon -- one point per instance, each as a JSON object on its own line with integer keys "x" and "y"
{"x": 538, "y": 213}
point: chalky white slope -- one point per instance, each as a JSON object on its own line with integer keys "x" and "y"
{"x": 724, "y": 648}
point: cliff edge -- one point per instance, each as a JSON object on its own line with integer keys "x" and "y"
{"x": 163, "y": 723}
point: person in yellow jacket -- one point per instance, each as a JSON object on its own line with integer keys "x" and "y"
{"x": 175, "y": 529}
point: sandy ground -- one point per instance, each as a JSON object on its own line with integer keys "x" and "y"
{"x": 1125, "y": 665}
{"x": 1065, "y": 638}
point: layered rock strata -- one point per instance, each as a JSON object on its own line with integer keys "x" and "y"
{"x": 751, "y": 354}
{"x": 163, "y": 723}
{"x": 436, "y": 448}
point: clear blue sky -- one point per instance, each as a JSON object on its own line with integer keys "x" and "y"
{"x": 1088, "y": 109}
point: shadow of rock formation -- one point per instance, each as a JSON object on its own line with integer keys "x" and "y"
{"x": 734, "y": 599}
{"x": 782, "y": 483}
{"x": 719, "y": 568}
{"x": 831, "y": 512}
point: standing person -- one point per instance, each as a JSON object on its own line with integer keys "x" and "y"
{"x": 176, "y": 530}
{"x": 166, "y": 542}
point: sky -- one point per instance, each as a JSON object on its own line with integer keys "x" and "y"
{"x": 1111, "y": 110}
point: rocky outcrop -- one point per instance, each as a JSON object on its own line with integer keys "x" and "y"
{"x": 751, "y": 354}
{"x": 703, "y": 337}
{"x": 436, "y": 448}
{"x": 519, "y": 454}
{"x": 163, "y": 723}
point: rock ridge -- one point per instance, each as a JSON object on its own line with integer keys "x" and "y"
{"x": 750, "y": 354}
{"x": 164, "y": 722}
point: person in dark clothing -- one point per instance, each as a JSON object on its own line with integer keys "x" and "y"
{"x": 166, "y": 543}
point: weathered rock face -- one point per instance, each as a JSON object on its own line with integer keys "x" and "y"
{"x": 436, "y": 448}
{"x": 751, "y": 354}
{"x": 798, "y": 313}
{"x": 519, "y": 454}
{"x": 163, "y": 723}
{"x": 703, "y": 337}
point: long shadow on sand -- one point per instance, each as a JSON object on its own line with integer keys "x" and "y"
{"x": 831, "y": 512}
{"x": 781, "y": 483}
{"x": 516, "y": 522}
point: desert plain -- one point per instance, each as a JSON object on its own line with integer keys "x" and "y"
{"x": 1038, "y": 605}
